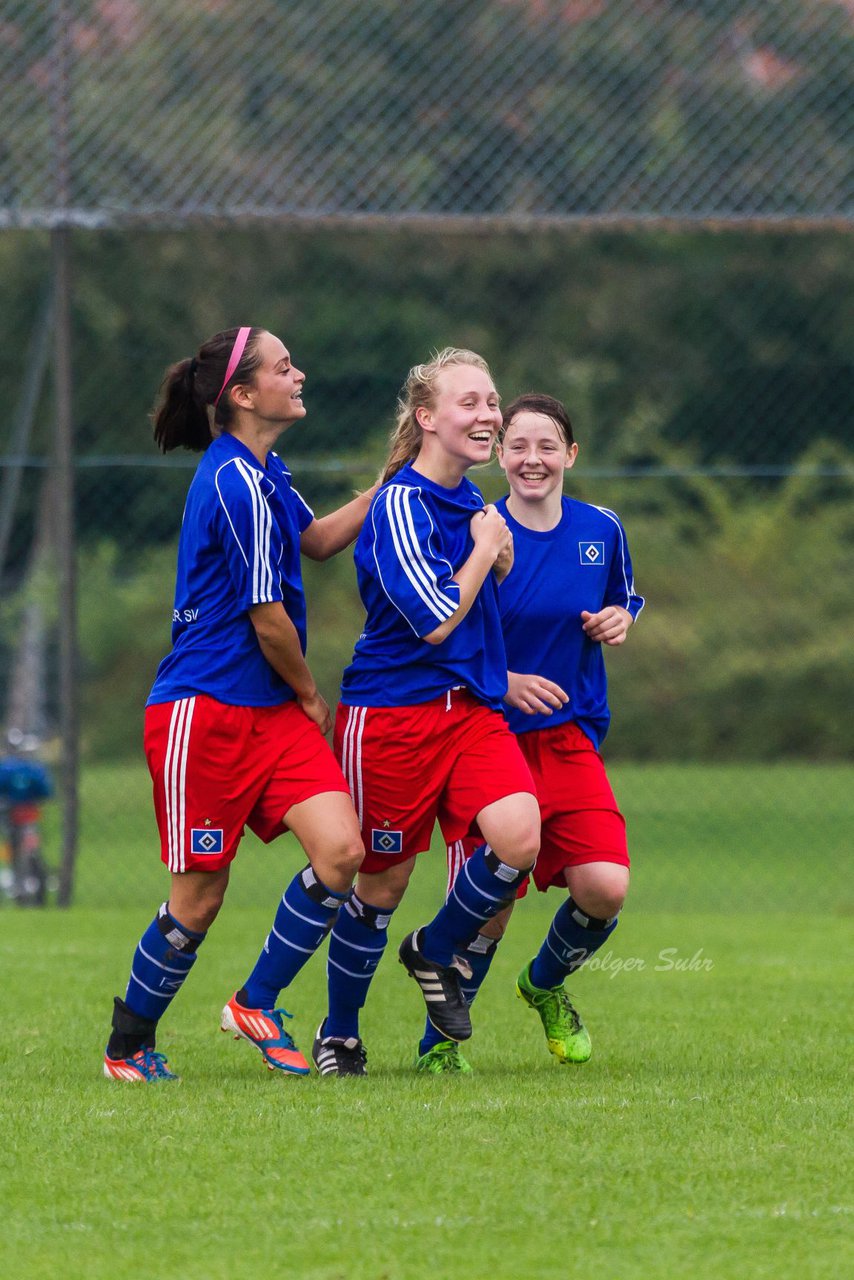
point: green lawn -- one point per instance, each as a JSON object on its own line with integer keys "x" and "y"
{"x": 706, "y": 1138}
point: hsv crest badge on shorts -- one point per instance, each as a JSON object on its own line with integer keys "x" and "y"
{"x": 205, "y": 841}
{"x": 384, "y": 841}
{"x": 591, "y": 553}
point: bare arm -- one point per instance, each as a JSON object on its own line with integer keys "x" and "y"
{"x": 609, "y": 626}
{"x": 491, "y": 536}
{"x": 330, "y": 534}
{"x": 280, "y": 645}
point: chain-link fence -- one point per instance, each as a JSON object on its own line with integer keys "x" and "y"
{"x": 164, "y": 110}
{"x": 709, "y": 374}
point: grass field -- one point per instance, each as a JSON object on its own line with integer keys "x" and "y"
{"x": 706, "y": 1138}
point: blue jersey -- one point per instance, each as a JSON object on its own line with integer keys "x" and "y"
{"x": 583, "y": 563}
{"x": 415, "y": 538}
{"x": 239, "y": 547}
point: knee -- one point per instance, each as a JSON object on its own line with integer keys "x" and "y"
{"x": 602, "y": 897}
{"x": 345, "y": 857}
{"x": 602, "y": 905}
{"x": 199, "y": 914}
{"x": 518, "y": 844}
{"x": 521, "y": 851}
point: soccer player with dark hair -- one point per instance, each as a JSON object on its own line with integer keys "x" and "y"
{"x": 571, "y": 591}
{"x": 234, "y": 724}
{"x": 420, "y": 727}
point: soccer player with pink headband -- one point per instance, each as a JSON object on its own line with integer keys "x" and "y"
{"x": 234, "y": 724}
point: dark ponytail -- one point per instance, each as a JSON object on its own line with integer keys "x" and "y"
{"x": 183, "y": 415}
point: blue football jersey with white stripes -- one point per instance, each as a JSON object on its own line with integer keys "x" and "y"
{"x": 583, "y": 563}
{"x": 239, "y": 547}
{"x": 415, "y": 538}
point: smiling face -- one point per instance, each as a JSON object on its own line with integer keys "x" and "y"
{"x": 464, "y": 419}
{"x": 534, "y": 455}
{"x": 275, "y": 393}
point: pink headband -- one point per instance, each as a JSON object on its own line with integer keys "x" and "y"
{"x": 234, "y": 360}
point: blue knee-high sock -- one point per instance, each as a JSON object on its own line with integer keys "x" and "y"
{"x": 484, "y": 885}
{"x": 479, "y": 953}
{"x": 572, "y": 937}
{"x": 356, "y": 945}
{"x": 306, "y": 913}
{"x": 164, "y": 956}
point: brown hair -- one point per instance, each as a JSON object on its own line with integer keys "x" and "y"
{"x": 535, "y": 402}
{"x": 419, "y": 391}
{"x": 182, "y": 416}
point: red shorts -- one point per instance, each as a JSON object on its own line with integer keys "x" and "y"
{"x": 447, "y": 758}
{"x": 217, "y": 769}
{"x": 581, "y": 821}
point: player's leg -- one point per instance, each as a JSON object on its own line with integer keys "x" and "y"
{"x": 326, "y": 827}
{"x": 164, "y": 956}
{"x": 574, "y": 935}
{"x": 393, "y": 762}
{"x": 597, "y": 891}
{"x": 188, "y": 777}
{"x": 486, "y": 884}
{"x": 357, "y": 944}
{"x": 491, "y": 782}
{"x": 585, "y": 850}
{"x": 437, "y": 1055}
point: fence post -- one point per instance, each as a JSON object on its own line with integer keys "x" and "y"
{"x": 66, "y": 549}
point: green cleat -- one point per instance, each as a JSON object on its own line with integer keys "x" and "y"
{"x": 443, "y": 1057}
{"x": 567, "y": 1036}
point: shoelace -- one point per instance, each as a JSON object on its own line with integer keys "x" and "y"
{"x": 282, "y": 1013}
{"x": 154, "y": 1063}
{"x": 567, "y": 1009}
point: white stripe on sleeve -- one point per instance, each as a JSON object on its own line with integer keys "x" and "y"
{"x": 410, "y": 556}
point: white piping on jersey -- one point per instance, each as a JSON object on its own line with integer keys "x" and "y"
{"x": 262, "y": 573}
{"x": 351, "y": 752}
{"x": 299, "y": 496}
{"x": 262, "y": 520}
{"x": 630, "y": 586}
{"x": 421, "y": 565}
{"x": 410, "y": 556}
{"x": 225, "y": 509}
{"x": 174, "y": 781}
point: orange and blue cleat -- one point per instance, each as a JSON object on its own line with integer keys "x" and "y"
{"x": 265, "y": 1029}
{"x": 145, "y": 1067}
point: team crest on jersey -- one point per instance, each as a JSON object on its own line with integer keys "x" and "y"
{"x": 591, "y": 552}
{"x": 384, "y": 841}
{"x": 205, "y": 841}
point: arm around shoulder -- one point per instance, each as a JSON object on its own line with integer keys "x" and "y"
{"x": 328, "y": 535}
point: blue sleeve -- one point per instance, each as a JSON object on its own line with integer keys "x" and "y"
{"x": 304, "y": 513}
{"x": 407, "y": 558}
{"x": 621, "y": 584}
{"x": 252, "y": 540}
